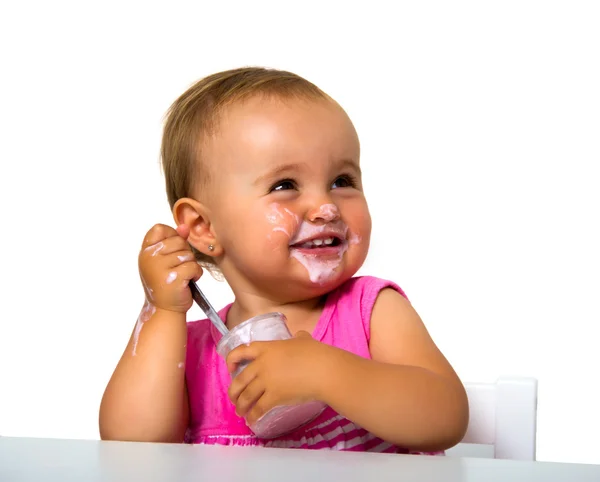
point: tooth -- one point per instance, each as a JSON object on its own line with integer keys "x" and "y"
{"x": 328, "y": 241}
{"x": 317, "y": 242}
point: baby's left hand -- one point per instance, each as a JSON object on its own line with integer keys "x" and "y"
{"x": 284, "y": 372}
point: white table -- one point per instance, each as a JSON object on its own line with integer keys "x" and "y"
{"x": 29, "y": 460}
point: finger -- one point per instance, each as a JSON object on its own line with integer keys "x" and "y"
{"x": 178, "y": 258}
{"x": 183, "y": 273}
{"x": 199, "y": 271}
{"x": 183, "y": 230}
{"x": 249, "y": 397}
{"x": 242, "y": 353}
{"x": 199, "y": 275}
{"x": 260, "y": 407}
{"x": 156, "y": 234}
{"x": 240, "y": 382}
{"x": 167, "y": 246}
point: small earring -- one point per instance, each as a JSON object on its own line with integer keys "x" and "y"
{"x": 211, "y": 247}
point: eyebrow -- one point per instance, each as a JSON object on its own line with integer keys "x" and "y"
{"x": 349, "y": 163}
{"x": 283, "y": 169}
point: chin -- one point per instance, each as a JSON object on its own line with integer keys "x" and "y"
{"x": 323, "y": 283}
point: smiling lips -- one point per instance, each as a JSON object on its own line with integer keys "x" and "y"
{"x": 320, "y": 248}
{"x": 327, "y": 242}
{"x": 317, "y": 243}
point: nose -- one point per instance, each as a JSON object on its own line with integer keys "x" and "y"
{"x": 325, "y": 213}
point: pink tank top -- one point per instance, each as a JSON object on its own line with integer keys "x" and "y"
{"x": 344, "y": 323}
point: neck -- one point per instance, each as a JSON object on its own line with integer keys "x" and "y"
{"x": 301, "y": 315}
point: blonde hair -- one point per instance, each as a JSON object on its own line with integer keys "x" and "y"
{"x": 195, "y": 115}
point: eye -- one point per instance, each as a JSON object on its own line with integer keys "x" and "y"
{"x": 284, "y": 185}
{"x": 344, "y": 181}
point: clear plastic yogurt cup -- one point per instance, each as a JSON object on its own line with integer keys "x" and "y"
{"x": 284, "y": 418}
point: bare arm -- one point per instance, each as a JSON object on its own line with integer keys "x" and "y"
{"x": 146, "y": 399}
{"x": 408, "y": 394}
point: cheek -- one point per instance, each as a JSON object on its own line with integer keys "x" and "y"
{"x": 264, "y": 230}
{"x": 359, "y": 221}
{"x": 281, "y": 223}
{"x": 278, "y": 235}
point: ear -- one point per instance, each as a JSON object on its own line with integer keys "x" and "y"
{"x": 197, "y": 218}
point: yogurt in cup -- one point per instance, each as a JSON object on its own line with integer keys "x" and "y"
{"x": 284, "y": 418}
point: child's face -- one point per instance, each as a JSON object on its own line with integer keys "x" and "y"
{"x": 286, "y": 197}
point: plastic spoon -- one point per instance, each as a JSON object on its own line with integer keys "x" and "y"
{"x": 206, "y": 307}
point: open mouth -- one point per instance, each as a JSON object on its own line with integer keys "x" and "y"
{"x": 327, "y": 242}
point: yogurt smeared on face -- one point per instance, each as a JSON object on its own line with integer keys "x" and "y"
{"x": 318, "y": 247}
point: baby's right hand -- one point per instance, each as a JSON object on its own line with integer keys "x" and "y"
{"x": 167, "y": 264}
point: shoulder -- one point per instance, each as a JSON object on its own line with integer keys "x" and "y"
{"x": 394, "y": 324}
{"x": 399, "y": 336}
{"x": 367, "y": 287}
{"x": 365, "y": 292}
{"x": 391, "y": 309}
{"x": 354, "y": 300}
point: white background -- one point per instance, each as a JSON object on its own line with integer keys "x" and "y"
{"x": 480, "y": 128}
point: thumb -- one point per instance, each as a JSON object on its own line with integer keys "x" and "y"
{"x": 302, "y": 334}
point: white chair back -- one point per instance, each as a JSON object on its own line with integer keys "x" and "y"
{"x": 503, "y": 417}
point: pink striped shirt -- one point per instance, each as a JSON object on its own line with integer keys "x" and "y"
{"x": 344, "y": 323}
